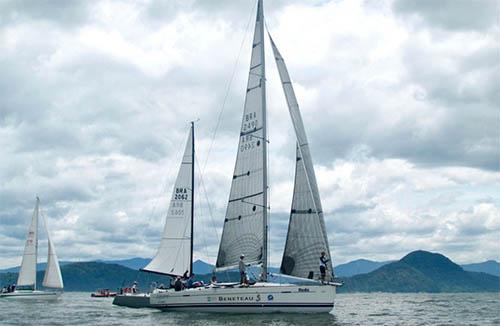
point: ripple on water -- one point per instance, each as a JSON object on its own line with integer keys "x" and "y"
{"x": 79, "y": 309}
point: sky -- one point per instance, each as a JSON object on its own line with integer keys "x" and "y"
{"x": 400, "y": 100}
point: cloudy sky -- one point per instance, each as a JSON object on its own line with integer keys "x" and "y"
{"x": 401, "y": 102}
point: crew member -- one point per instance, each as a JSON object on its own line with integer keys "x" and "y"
{"x": 323, "y": 266}
{"x": 243, "y": 273}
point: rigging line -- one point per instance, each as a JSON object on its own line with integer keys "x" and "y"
{"x": 210, "y": 211}
{"x": 228, "y": 89}
{"x": 203, "y": 237}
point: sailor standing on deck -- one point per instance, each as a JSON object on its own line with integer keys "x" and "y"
{"x": 243, "y": 273}
{"x": 323, "y": 260}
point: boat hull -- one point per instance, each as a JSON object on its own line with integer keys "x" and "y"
{"x": 31, "y": 295}
{"x": 260, "y": 298}
{"x": 132, "y": 300}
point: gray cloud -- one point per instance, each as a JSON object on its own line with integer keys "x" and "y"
{"x": 95, "y": 100}
{"x": 451, "y": 14}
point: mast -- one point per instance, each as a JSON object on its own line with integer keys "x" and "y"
{"x": 36, "y": 236}
{"x": 260, "y": 17}
{"x": 192, "y": 198}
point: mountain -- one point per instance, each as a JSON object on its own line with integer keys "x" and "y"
{"x": 491, "y": 267}
{"x": 359, "y": 266}
{"x": 200, "y": 267}
{"x": 419, "y": 271}
{"x": 89, "y": 276}
{"x": 422, "y": 271}
{"x": 39, "y": 267}
{"x": 132, "y": 263}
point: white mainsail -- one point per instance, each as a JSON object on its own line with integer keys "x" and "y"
{"x": 174, "y": 255}
{"x": 27, "y": 273}
{"x": 52, "y": 277}
{"x": 307, "y": 236}
{"x": 245, "y": 224}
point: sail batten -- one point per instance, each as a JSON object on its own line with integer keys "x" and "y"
{"x": 245, "y": 224}
{"x": 174, "y": 256}
{"x": 306, "y": 237}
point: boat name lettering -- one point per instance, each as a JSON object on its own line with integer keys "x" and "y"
{"x": 303, "y": 290}
{"x": 239, "y": 298}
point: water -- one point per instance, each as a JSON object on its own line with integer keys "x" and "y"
{"x": 351, "y": 309}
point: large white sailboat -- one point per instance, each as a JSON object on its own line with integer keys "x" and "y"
{"x": 245, "y": 229}
{"x": 26, "y": 281}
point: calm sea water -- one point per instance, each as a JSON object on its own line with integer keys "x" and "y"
{"x": 351, "y": 309}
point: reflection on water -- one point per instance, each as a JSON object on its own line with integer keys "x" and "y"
{"x": 351, "y": 309}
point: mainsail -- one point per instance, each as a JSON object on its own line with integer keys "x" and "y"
{"x": 307, "y": 236}
{"x": 52, "y": 277}
{"x": 175, "y": 255}
{"x": 27, "y": 273}
{"x": 245, "y": 224}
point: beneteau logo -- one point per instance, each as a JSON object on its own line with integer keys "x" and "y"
{"x": 240, "y": 298}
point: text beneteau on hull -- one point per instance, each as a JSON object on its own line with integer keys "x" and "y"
{"x": 246, "y": 221}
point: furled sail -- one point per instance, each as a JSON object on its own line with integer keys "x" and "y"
{"x": 307, "y": 236}
{"x": 174, "y": 256}
{"x": 27, "y": 273}
{"x": 245, "y": 223}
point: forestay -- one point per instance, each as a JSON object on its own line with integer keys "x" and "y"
{"x": 306, "y": 237}
{"x": 174, "y": 255}
{"x": 27, "y": 273}
{"x": 244, "y": 229}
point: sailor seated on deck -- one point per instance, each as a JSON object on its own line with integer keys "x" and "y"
{"x": 178, "y": 286}
{"x": 190, "y": 281}
{"x": 134, "y": 287}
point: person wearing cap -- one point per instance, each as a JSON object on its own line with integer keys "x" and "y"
{"x": 243, "y": 273}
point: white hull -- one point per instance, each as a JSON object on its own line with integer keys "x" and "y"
{"x": 31, "y": 295}
{"x": 259, "y": 298}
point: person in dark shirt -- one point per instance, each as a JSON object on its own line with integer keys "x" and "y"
{"x": 178, "y": 284}
{"x": 323, "y": 265}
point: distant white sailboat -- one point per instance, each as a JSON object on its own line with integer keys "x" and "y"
{"x": 26, "y": 281}
{"x": 246, "y": 223}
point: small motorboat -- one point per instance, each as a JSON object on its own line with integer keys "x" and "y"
{"x": 103, "y": 293}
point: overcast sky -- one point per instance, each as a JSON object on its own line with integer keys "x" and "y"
{"x": 401, "y": 103}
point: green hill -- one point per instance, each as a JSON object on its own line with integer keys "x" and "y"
{"x": 419, "y": 271}
{"x": 422, "y": 271}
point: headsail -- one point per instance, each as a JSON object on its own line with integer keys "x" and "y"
{"x": 174, "y": 256}
{"x": 307, "y": 236}
{"x": 27, "y": 273}
{"x": 245, "y": 225}
{"x": 52, "y": 277}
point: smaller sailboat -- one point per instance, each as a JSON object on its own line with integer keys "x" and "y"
{"x": 26, "y": 281}
{"x": 175, "y": 254}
